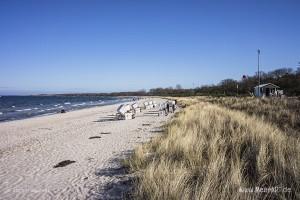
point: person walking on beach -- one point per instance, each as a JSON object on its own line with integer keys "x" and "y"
{"x": 165, "y": 111}
{"x": 168, "y": 108}
{"x": 174, "y": 105}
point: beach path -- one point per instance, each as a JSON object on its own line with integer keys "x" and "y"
{"x": 58, "y": 156}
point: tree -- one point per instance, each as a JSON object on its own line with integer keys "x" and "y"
{"x": 278, "y": 73}
{"x": 228, "y": 86}
{"x": 298, "y": 70}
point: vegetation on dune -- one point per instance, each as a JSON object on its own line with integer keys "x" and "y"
{"x": 211, "y": 152}
{"x": 286, "y": 78}
{"x": 283, "y": 113}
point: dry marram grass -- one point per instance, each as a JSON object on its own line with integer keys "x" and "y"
{"x": 211, "y": 152}
{"x": 283, "y": 113}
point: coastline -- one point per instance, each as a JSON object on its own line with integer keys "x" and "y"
{"x": 30, "y": 148}
{"x": 12, "y": 109}
{"x": 59, "y": 113}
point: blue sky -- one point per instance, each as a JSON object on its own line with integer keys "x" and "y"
{"x": 119, "y": 45}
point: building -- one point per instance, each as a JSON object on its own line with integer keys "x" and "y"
{"x": 267, "y": 90}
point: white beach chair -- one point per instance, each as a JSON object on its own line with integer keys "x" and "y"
{"x": 129, "y": 115}
{"x": 134, "y": 105}
{"x": 151, "y": 104}
{"x": 136, "y": 108}
{"x": 147, "y": 105}
{"x": 154, "y": 104}
{"x": 125, "y": 111}
{"x": 162, "y": 108}
{"x": 141, "y": 105}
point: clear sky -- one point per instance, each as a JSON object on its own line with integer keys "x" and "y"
{"x": 118, "y": 45}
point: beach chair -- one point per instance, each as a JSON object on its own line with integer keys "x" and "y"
{"x": 151, "y": 104}
{"x": 129, "y": 115}
{"x": 162, "y": 108}
{"x": 125, "y": 111}
{"x": 147, "y": 105}
{"x": 154, "y": 104}
{"x": 136, "y": 108}
{"x": 141, "y": 106}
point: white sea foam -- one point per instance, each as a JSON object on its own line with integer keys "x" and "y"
{"x": 13, "y": 106}
{"x": 27, "y": 109}
{"x": 79, "y": 104}
{"x": 67, "y": 103}
{"x": 56, "y": 105}
{"x": 1, "y": 113}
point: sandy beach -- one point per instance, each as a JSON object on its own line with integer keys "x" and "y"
{"x": 30, "y": 148}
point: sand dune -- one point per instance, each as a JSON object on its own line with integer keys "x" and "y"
{"x": 87, "y": 139}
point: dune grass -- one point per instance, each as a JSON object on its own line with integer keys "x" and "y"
{"x": 212, "y": 152}
{"x": 283, "y": 113}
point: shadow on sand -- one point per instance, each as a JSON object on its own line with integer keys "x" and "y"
{"x": 107, "y": 119}
{"x": 120, "y": 182}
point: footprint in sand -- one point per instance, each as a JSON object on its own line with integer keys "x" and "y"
{"x": 64, "y": 163}
{"x": 105, "y": 133}
{"x": 90, "y": 159}
{"x": 95, "y": 137}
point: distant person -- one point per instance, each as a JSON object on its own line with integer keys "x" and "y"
{"x": 168, "y": 108}
{"x": 174, "y": 105}
{"x": 165, "y": 111}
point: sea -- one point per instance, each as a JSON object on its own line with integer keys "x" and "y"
{"x": 21, "y": 107}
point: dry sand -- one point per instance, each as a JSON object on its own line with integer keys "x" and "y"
{"x": 30, "y": 148}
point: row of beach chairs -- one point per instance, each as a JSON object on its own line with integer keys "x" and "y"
{"x": 128, "y": 111}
